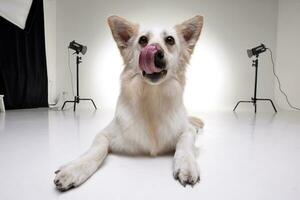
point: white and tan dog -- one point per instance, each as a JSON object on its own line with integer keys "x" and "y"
{"x": 150, "y": 116}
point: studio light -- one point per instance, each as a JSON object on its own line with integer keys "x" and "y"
{"x": 79, "y": 48}
{"x": 256, "y": 50}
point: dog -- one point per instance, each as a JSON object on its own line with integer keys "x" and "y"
{"x": 150, "y": 117}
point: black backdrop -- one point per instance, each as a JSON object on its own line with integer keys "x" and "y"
{"x": 23, "y": 70}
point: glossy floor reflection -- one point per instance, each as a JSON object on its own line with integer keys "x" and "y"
{"x": 242, "y": 156}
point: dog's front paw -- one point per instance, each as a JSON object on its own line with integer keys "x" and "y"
{"x": 71, "y": 175}
{"x": 186, "y": 170}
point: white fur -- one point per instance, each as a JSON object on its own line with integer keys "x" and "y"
{"x": 150, "y": 117}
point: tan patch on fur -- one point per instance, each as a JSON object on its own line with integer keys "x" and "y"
{"x": 149, "y": 115}
{"x": 151, "y": 103}
{"x": 135, "y": 93}
{"x": 196, "y": 122}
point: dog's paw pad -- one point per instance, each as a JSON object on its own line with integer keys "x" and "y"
{"x": 186, "y": 178}
{"x": 69, "y": 176}
{"x": 73, "y": 174}
{"x": 64, "y": 180}
{"x": 187, "y": 173}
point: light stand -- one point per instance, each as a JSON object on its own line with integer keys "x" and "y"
{"x": 77, "y": 99}
{"x": 254, "y": 99}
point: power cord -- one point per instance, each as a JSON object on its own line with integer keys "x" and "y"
{"x": 279, "y": 83}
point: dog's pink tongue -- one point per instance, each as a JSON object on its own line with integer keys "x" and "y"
{"x": 146, "y": 59}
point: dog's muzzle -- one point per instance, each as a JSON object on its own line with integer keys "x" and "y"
{"x": 152, "y": 62}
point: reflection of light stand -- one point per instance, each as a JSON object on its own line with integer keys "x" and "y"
{"x": 77, "y": 99}
{"x": 254, "y": 99}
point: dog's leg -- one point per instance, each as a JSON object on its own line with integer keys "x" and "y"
{"x": 185, "y": 167}
{"x": 76, "y": 172}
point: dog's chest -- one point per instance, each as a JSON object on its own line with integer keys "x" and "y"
{"x": 156, "y": 137}
{"x": 161, "y": 122}
{"x": 154, "y": 117}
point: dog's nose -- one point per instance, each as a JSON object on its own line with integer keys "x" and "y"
{"x": 159, "y": 60}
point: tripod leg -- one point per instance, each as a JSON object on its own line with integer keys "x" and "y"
{"x": 236, "y": 105}
{"x": 65, "y": 104}
{"x": 91, "y": 101}
{"x": 272, "y": 104}
{"x": 241, "y": 102}
{"x": 94, "y": 104}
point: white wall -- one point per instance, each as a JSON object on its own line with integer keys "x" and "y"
{"x": 220, "y": 71}
{"x": 288, "y": 43}
{"x": 50, "y": 37}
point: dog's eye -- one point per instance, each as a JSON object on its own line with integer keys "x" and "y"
{"x": 170, "y": 40}
{"x": 143, "y": 40}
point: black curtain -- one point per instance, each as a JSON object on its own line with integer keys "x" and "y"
{"x": 23, "y": 70}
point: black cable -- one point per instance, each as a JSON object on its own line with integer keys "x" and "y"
{"x": 279, "y": 83}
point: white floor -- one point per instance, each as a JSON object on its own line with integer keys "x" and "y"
{"x": 242, "y": 156}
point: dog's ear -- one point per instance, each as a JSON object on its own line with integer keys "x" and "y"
{"x": 190, "y": 30}
{"x": 122, "y": 30}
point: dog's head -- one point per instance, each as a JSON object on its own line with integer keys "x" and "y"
{"x": 156, "y": 55}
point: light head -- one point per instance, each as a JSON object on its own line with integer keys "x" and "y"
{"x": 78, "y": 48}
{"x": 256, "y": 50}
